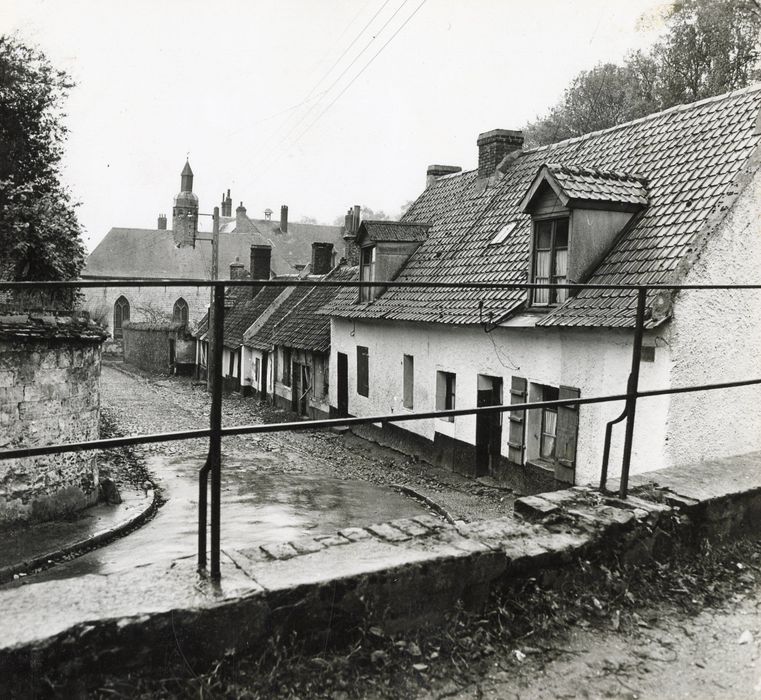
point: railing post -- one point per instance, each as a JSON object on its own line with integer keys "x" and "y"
{"x": 215, "y": 425}
{"x": 631, "y": 391}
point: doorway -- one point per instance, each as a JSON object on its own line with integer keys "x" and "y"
{"x": 488, "y": 425}
{"x": 342, "y": 385}
{"x": 263, "y": 377}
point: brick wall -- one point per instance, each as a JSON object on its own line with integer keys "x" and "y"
{"x": 49, "y": 393}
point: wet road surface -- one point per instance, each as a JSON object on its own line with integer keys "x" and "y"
{"x": 272, "y": 489}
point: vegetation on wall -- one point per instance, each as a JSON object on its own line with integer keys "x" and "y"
{"x": 710, "y": 47}
{"x": 40, "y": 236}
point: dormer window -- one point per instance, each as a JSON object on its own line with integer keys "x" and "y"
{"x": 550, "y": 260}
{"x": 367, "y": 272}
{"x": 577, "y": 215}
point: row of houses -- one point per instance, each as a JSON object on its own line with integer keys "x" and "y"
{"x": 673, "y": 198}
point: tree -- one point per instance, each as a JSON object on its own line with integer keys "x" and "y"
{"x": 711, "y": 47}
{"x": 40, "y": 236}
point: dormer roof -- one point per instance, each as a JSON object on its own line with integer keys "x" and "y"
{"x": 393, "y": 231}
{"x": 592, "y": 188}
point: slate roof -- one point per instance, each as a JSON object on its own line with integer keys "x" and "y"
{"x": 690, "y": 156}
{"x": 591, "y": 184}
{"x": 402, "y": 231}
{"x": 303, "y": 327}
{"x": 152, "y": 253}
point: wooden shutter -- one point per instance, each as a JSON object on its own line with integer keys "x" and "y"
{"x": 516, "y": 439}
{"x": 363, "y": 383}
{"x": 566, "y": 436}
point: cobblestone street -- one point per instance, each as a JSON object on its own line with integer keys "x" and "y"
{"x": 142, "y": 404}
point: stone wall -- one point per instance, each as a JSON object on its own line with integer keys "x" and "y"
{"x": 148, "y": 346}
{"x": 49, "y": 393}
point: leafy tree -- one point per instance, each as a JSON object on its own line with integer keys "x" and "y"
{"x": 40, "y": 237}
{"x": 711, "y": 47}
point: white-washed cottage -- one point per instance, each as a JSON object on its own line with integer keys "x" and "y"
{"x": 673, "y": 198}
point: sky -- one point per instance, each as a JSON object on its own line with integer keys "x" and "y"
{"x": 319, "y": 105}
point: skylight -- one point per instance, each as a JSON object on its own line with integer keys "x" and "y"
{"x": 503, "y": 233}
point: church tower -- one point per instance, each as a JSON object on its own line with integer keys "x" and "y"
{"x": 185, "y": 211}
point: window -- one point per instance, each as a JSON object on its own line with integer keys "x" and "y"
{"x": 286, "y": 374}
{"x": 550, "y": 260}
{"x": 367, "y": 272}
{"x": 363, "y": 371}
{"x": 549, "y": 424}
{"x": 502, "y": 234}
{"x": 257, "y": 369}
{"x": 121, "y": 314}
{"x": 445, "y": 393}
{"x": 180, "y": 311}
{"x": 408, "y": 378}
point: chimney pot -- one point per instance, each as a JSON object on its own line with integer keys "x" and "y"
{"x": 237, "y": 270}
{"x": 162, "y": 222}
{"x": 241, "y": 222}
{"x": 493, "y": 146}
{"x": 284, "y": 218}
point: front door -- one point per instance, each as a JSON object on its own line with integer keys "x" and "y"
{"x": 342, "y": 385}
{"x": 488, "y": 425}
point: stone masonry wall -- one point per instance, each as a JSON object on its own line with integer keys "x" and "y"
{"x": 49, "y": 393}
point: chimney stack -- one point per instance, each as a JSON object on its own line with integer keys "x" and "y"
{"x": 261, "y": 256}
{"x": 493, "y": 146}
{"x": 227, "y": 204}
{"x": 237, "y": 270}
{"x": 241, "y": 223}
{"x": 284, "y": 219}
{"x": 351, "y": 226}
{"x": 322, "y": 258}
{"x": 162, "y": 222}
{"x": 434, "y": 172}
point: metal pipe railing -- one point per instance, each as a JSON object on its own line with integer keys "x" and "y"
{"x": 215, "y": 432}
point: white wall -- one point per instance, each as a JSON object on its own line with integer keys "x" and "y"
{"x": 716, "y": 337}
{"x": 596, "y": 361}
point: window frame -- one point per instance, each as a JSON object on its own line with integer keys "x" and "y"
{"x": 122, "y": 304}
{"x": 367, "y": 271}
{"x": 554, "y": 296}
{"x": 446, "y": 393}
{"x": 182, "y": 310}
{"x": 549, "y": 393}
{"x": 408, "y": 381}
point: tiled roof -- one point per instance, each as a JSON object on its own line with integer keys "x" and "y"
{"x": 303, "y": 327}
{"x": 394, "y": 231}
{"x": 261, "y": 339}
{"x": 245, "y": 312}
{"x": 136, "y": 252}
{"x": 690, "y": 156}
{"x": 592, "y": 184}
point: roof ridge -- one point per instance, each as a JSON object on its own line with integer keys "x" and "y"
{"x": 676, "y": 108}
{"x": 601, "y": 172}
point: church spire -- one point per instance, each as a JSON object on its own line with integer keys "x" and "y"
{"x": 186, "y": 178}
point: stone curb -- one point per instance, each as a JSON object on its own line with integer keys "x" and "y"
{"x": 78, "y": 547}
{"x": 443, "y": 512}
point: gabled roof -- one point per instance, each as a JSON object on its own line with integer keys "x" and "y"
{"x": 393, "y": 231}
{"x": 136, "y": 252}
{"x": 579, "y": 187}
{"x": 261, "y": 337}
{"x": 303, "y": 327}
{"x": 690, "y": 156}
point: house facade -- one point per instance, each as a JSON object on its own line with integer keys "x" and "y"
{"x": 673, "y": 198}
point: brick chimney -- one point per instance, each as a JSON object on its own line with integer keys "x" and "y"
{"x": 241, "y": 221}
{"x": 227, "y": 204}
{"x": 322, "y": 258}
{"x": 261, "y": 256}
{"x": 493, "y": 146}
{"x": 434, "y": 172}
{"x": 162, "y": 222}
{"x": 351, "y": 226}
{"x": 238, "y": 270}
{"x": 284, "y": 219}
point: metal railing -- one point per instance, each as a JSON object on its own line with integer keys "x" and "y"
{"x": 212, "y": 466}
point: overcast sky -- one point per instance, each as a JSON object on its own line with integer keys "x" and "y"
{"x": 318, "y": 105}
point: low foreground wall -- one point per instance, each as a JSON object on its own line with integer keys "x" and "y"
{"x": 402, "y": 574}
